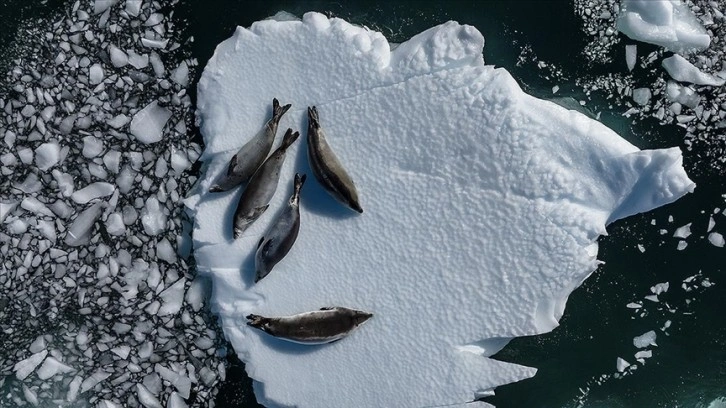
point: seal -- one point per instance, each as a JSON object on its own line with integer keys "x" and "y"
{"x": 262, "y": 186}
{"x": 326, "y": 167}
{"x": 250, "y": 156}
{"x": 282, "y": 235}
{"x": 322, "y": 326}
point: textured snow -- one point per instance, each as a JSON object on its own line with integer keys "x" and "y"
{"x": 483, "y": 207}
{"x": 147, "y": 124}
{"x": 668, "y": 23}
{"x": 681, "y": 70}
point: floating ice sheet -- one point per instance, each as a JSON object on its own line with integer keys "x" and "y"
{"x": 482, "y": 210}
{"x": 668, "y": 23}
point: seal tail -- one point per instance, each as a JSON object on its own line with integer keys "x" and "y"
{"x": 288, "y": 140}
{"x": 313, "y": 118}
{"x": 299, "y": 181}
{"x": 277, "y": 110}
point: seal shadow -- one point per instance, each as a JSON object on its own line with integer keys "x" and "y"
{"x": 248, "y": 268}
{"x": 313, "y": 196}
{"x": 289, "y": 347}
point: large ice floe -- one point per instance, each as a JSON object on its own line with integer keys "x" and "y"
{"x": 483, "y": 206}
{"x": 668, "y": 23}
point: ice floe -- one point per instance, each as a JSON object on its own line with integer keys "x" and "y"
{"x": 681, "y": 70}
{"x": 668, "y": 23}
{"x": 483, "y": 206}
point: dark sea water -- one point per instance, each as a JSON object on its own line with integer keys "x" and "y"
{"x": 576, "y": 361}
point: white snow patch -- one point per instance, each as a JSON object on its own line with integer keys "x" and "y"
{"x": 468, "y": 184}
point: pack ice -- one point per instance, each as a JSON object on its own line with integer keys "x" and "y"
{"x": 483, "y": 206}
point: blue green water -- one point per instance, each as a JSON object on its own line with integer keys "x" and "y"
{"x": 688, "y": 367}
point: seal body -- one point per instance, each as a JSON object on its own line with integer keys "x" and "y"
{"x": 326, "y": 166}
{"x": 262, "y": 186}
{"x": 319, "y": 327}
{"x": 281, "y": 236}
{"x": 250, "y": 156}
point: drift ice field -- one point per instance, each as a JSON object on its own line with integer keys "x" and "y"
{"x": 483, "y": 206}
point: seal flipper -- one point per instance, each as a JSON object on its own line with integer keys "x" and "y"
{"x": 327, "y": 308}
{"x": 313, "y": 118}
{"x": 260, "y": 243}
{"x": 277, "y": 110}
{"x": 287, "y": 140}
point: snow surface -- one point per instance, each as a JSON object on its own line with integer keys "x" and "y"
{"x": 668, "y": 23}
{"x": 483, "y": 207}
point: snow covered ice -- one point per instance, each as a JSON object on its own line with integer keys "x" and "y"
{"x": 668, "y": 23}
{"x": 483, "y": 207}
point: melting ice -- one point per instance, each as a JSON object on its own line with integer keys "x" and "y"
{"x": 483, "y": 209}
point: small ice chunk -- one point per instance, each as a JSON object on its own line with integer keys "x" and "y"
{"x": 644, "y": 354}
{"x": 133, "y": 7}
{"x": 138, "y": 61}
{"x": 652, "y": 298}
{"x": 641, "y": 248}
{"x": 179, "y": 161}
{"x": 38, "y": 344}
{"x": 115, "y": 224}
{"x": 645, "y": 340}
{"x": 631, "y": 54}
{"x": 118, "y": 57}
{"x": 51, "y": 367}
{"x": 152, "y": 217}
{"x": 180, "y": 75}
{"x": 6, "y": 208}
{"x": 681, "y": 70}
{"x": 80, "y": 231}
{"x": 148, "y": 123}
{"x": 195, "y": 294}
{"x": 660, "y": 288}
{"x": 683, "y": 232}
{"x": 118, "y": 121}
{"x": 173, "y": 296}
{"x": 146, "y": 398}
{"x": 99, "y": 6}
{"x": 716, "y": 239}
{"x": 93, "y": 191}
{"x": 95, "y": 378}
{"x": 121, "y": 351}
{"x": 641, "y": 96}
{"x": 47, "y": 155}
{"x": 633, "y": 305}
{"x": 156, "y": 64}
{"x": 34, "y": 205}
{"x": 23, "y": 368}
{"x": 165, "y": 251}
{"x": 73, "y": 388}
{"x": 92, "y": 147}
{"x": 147, "y": 42}
{"x": 176, "y": 401}
{"x": 154, "y": 19}
{"x": 622, "y": 364}
{"x": 179, "y": 380}
{"x": 711, "y": 224}
{"x": 95, "y": 74}
{"x": 681, "y": 245}
{"x": 111, "y": 160}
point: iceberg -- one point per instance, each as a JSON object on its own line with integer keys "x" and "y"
{"x": 668, "y": 23}
{"x": 483, "y": 209}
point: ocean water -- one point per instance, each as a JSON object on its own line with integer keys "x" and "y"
{"x": 576, "y": 361}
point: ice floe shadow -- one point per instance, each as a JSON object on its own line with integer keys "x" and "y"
{"x": 313, "y": 197}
